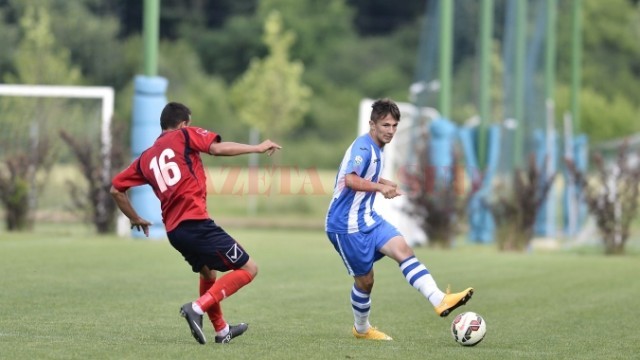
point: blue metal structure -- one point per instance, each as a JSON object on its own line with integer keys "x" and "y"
{"x": 148, "y": 101}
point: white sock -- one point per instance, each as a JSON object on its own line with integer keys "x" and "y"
{"x": 419, "y": 277}
{"x": 224, "y": 331}
{"x": 361, "y": 306}
{"x": 197, "y": 308}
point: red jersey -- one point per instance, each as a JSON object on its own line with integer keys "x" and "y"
{"x": 173, "y": 168}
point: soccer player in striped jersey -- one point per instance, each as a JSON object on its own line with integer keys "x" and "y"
{"x": 362, "y": 237}
{"x": 173, "y": 168}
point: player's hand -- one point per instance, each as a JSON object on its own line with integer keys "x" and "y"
{"x": 268, "y": 147}
{"x": 390, "y": 191}
{"x": 141, "y": 225}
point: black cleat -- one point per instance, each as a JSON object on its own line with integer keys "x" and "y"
{"x": 234, "y": 331}
{"x": 195, "y": 322}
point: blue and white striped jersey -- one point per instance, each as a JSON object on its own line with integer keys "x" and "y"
{"x": 352, "y": 211}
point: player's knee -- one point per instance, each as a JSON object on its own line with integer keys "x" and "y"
{"x": 207, "y": 274}
{"x": 403, "y": 251}
{"x": 368, "y": 285}
{"x": 365, "y": 284}
{"x": 251, "y": 267}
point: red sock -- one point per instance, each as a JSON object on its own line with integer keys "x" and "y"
{"x": 215, "y": 311}
{"x": 223, "y": 288}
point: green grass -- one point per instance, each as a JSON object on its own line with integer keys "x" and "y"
{"x": 67, "y": 294}
{"x": 274, "y": 193}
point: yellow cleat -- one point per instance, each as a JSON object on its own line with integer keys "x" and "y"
{"x": 453, "y": 301}
{"x": 371, "y": 334}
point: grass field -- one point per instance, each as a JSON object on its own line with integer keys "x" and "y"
{"x": 299, "y": 196}
{"x": 67, "y": 294}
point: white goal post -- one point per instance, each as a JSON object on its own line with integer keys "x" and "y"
{"x": 103, "y": 93}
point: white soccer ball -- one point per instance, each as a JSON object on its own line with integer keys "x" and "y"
{"x": 468, "y": 328}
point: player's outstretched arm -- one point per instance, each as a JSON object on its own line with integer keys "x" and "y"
{"x": 228, "y": 148}
{"x": 122, "y": 200}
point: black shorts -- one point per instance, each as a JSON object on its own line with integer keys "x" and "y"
{"x": 202, "y": 242}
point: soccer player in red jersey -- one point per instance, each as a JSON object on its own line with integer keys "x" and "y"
{"x": 173, "y": 168}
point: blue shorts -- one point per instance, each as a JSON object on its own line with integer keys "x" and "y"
{"x": 360, "y": 250}
{"x": 202, "y": 242}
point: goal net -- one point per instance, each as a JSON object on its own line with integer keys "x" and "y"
{"x": 36, "y": 120}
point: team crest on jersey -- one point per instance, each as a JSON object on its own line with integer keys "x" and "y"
{"x": 202, "y": 131}
{"x": 358, "y": 160}
{"x": 234, "y": 253}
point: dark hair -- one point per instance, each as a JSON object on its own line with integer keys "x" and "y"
{"x": 172, "y": 114}
{"x": 382, "y": 108}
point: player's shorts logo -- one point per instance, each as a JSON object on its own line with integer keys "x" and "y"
{"x": 234, "y": 253}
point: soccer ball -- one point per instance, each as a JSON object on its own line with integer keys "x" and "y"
{"x": 468, "y": 328}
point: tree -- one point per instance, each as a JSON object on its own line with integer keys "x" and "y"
{"x": 612, "y": 196}
{"x": 8, "y": 39}
{"x": 92, "y": 40}
{"x": 94, "y": 203}
{"x": 610, "y": 67}
{"x": 320, "y": 26}
{"x": 380, "y": 17}
{"x": 436, "y": 195}
{"x": 270, "y": 96}
{"x": 228, "y": 51}
{"x": 30, "y": 153}
{"x": 515, "y": 209}
{"x": 38, "y": 60}
{"x": 601, "y": 118}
